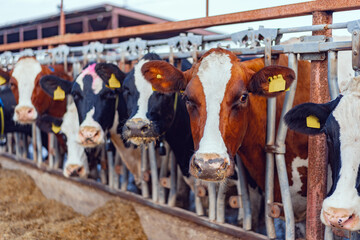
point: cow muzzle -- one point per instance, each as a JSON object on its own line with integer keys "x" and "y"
{"x": 90, "y": 136}
{"x": 25, "y": 114}
{"x": 138, "y": 131}
{"x": 210, "y": 167}
{"x": 340, "y": 218}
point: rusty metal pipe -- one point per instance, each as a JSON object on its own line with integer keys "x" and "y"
{"x": 317, "y": 167}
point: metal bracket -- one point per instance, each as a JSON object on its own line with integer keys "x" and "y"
{"x": 60, "y": 53}
{"x": 253, "y": 38}
{"x": 185, "y": 42}
{"x": 134, "y": 46}
{"x": 313, "y": 56}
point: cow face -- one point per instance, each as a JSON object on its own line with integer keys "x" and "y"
{"x": 339, "y": 121}
{"x": 96, "y": 94}
{"x": 218, "y": 92}
{"x": 150, "y": 112}
{"x": 30, "y": 98}
{"x": 76, "y": 164}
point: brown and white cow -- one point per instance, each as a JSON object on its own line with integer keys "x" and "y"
{"x": 227, "y": 109}
{"x": 31, "y": 100}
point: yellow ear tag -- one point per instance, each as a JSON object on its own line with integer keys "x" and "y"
{"x": 276, "y": 83}
{"x": 158, "y": 76}
{"x": 59, "y": 94}
{"x": 154, "y": 89}
{"x": 114, "y": 82}
{"x": 2, "y": 80}
{"x": 55, "y": 128}
{"x": 312, "y": 122}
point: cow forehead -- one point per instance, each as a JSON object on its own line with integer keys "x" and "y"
{"x": 26, "y": 70}
{"x": 97, "y": 82}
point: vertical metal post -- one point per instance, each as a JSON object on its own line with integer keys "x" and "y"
{"x": 280, "y": 155}
{"x": 270, "y": 140}
{"x": 144, "y": 167}
{"x": 198, "y": 206}
{"x": 116, "y": 175}
{"x": 173, "y": 175}
{"x": 17, "y": 144}
{"x": 33, "y": 133}
{"x": 332, "y": 74}
{"x": 125, "y": 177}
{"x": 39, "y": 146}
{"x": 220, "y": 203}
{"x": 111, "y": 171}
{"x": 163, "y": 173}
{"x": 51, "y": 149}
{"x": 212, "y": 200}
{"x": 103, "y": 163}
{"x": 9, "y": 142}
{"x": 243, "y": 191}
{"x": 317, "y": 166}
{"x": 58, "y": 158}
{"x": 154, "y": 173}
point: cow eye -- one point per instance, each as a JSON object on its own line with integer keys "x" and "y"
{"x": 76, "y": 95}
{"x": 189, "y": 102}
{"x": 243, "y": 98}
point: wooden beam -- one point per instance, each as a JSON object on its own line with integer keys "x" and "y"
{"x": 114, "y": 24}
{"x": 292, "y": 10}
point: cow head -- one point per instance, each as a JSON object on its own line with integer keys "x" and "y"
{"x": 151, "y": 112}
{"x": 31, "y": 99}
{"x": 217, "y": 90}
{"x": 96, "y": 94}
{"x": 339, "y": 121}
{"x": 76, "y": 163}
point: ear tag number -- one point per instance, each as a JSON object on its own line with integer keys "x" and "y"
{"x": 2, "y": 80}
{"x": 114, "y": 82}
{"x": 59, "y": 94}
{"x": 54, "y": 128}
{"x": 312, "y": 122}
{"x": 276, "y": 83}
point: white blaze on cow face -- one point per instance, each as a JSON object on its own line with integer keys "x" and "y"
{"x": 25, "y": 73}
{"x": 97, "y": 82}
{"x": 76, "y": 157}
{"x": 344, "y": 203}
{"x": 91, "y": 133}
{"x": 214, "y": 73}
{"x": 145, "y": 90}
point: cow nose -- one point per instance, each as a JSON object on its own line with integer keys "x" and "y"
{"x": 210, "y": 167}
{"x": 89, "y": 135}
{"x": 137, "y": 127}
{"x": 340, "y": 218}
{"x": 73, "y": 170}
{"x": 25, "y": 114}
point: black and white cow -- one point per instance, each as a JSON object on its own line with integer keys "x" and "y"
{"x": 100, "y": 107}
{"x": 155, "y": 116}
{"x": 339, "y": 120}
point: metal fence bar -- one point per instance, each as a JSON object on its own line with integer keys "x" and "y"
{"x": 144, "y": 168}
{"x": 280, "y": 155}
{"x": 220, "y": 203}
{"x": 247, "y": 218}
{"x": 173, "y": 177}
{"x": 212, "y": 200}
{"x": 154, "y": 173}
{"x": 332, "y": 74}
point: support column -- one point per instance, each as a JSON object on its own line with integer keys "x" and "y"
{"x": 317, "y": 168}
{"x": 114, "y": 24}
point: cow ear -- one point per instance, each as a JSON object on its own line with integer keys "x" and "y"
{"x": 270, "y": 81}
{"x": 55, "y": 87}
{"x": 164, "y": 77}
{"x": 49, "y": 124}
{"x": 309, "y": 118}
{"x": 4, "y": 77}
{"x": 112, "y": 76}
